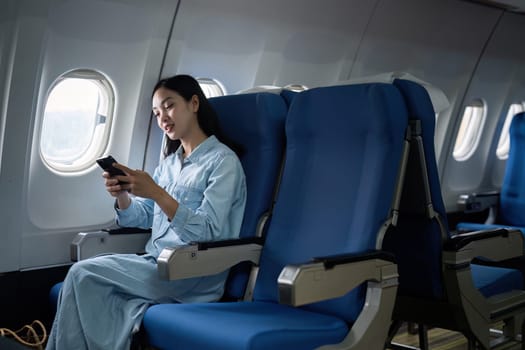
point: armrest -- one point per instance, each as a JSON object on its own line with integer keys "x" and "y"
{"x": 112, "y": 240}
{"x": 332, "y": 277}
{"x": 497, "y": 245}
{"x": 476, "y": 202}
{"x": 207, "y": 258}
{"x": 127, "y": 230}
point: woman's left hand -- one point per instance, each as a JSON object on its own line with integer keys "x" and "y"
{"x": 138, "y": 182}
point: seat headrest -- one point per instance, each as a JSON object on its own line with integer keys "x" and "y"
{"x": 439, "y": 100}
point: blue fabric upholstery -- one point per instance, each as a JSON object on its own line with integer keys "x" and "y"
{"x": 495, "y": 280}
{"x": 53, "y": 296}
{"x": 512, "y": 198}
{"x": 343, "y": 150}
{"x": 243, "y": 325}
{"x": 417, "y": 241}
{"x": 420, "y": 107}
{"x": 472, "y": 226}
{"x": 256, "y": 123}
{"x": 288, "y": 96}
{"x": 341, "y": 159}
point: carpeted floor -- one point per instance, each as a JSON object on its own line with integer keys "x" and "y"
{"x": 440, "y": 339}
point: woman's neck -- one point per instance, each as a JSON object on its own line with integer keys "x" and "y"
{"x": 191, "y": 142}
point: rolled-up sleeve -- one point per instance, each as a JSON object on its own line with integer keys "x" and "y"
{"x": 223, "y": 200}
{"x": 138, "y": 214}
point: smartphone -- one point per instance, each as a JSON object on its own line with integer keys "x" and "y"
{"x": 107, "y": 164}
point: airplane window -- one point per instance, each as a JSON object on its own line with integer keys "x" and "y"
{"x": 77, "y": 115}
{"x": 211, "y": 87}
{"x": 504, "y": 140}
{"x": 470, "y": 129}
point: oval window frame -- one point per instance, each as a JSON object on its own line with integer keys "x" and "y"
{"x": 211, "y": 87}
{"x": 471, "y": 127}
{"x": 105, "y": 111}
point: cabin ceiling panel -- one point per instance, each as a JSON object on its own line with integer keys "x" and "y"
{"x": 248, "y": 43}
{"x": 437, "y": 41}
{"x": 509, "y": 5}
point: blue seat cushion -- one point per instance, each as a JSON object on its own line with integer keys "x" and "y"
{"x": 288, "y": 96}
{"x": 54, "y": 292}
{"x": 242, "y": 325}
{"x": 470, "y": 226}
{"x": 495, "y": 280}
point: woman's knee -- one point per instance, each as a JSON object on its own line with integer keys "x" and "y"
{"x": 87, "y": 266}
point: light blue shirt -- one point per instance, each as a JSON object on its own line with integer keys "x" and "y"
{"x": 210, "y": 187}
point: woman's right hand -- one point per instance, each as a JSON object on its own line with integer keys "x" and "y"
{"x": 115, "y": 190}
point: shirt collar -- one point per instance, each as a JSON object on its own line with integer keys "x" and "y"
{"x": 200, "y": 150}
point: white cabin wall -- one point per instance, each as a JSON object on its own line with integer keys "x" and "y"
{"x": 7, "y": 18}
{"x": 8, "y": 205}
{"x": 28, "y": 27}
{"x": 123, "y": 39}
{"x": 500, "y": 81}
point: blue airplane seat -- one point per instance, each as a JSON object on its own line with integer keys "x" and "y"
{"x": 495, "y": 280}
{"x": 343, "y": 153}
{"x": 512, "y": 198}
{"x": 511, "y": 206}
{"x": 53, "y": 296}
{"x": 255, "y": 122}
{"x": 288, "y": 96}
{"x": 426, "y": 261}
{"x": 438, "y": 285}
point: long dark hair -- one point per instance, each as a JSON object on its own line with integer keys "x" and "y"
{"x": 187, "y": 86}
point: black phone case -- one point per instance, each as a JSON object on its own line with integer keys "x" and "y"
{"x": 107, "y": 164}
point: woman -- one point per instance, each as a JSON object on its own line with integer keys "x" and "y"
{"x": 197, "y": 193}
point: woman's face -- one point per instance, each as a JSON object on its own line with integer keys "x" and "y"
{"x": 175, "y": 116}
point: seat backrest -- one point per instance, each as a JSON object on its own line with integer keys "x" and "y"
{"x": 512, "y": 199}
{"x": 255, "y": 122}
{"x": 288, "y": 96}
{"x": 418, "y": 238}
{"x": 343, "y": 152}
